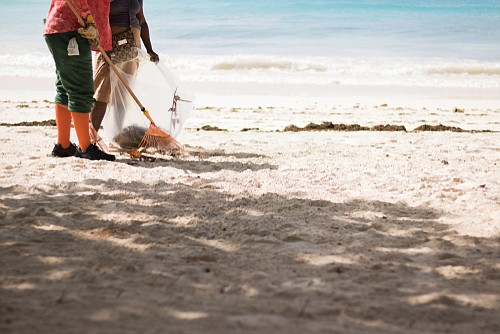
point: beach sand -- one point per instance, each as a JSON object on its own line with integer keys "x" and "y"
{"x": 257, "y": 229}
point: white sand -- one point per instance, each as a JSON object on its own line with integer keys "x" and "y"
{"x": 260, "y": 231}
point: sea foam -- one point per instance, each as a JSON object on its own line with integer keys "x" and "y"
{"x": 436, "y": 72}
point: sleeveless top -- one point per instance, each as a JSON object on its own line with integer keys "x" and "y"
{"x": 121, "y": 15}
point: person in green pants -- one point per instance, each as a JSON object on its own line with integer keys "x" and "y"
{"x": 70, "y": 46}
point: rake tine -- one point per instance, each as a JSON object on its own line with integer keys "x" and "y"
{"x": 160, "y": 140}
{"x": 96, "y": 139}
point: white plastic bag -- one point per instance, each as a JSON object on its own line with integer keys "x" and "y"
{"x": 158, "y": 89}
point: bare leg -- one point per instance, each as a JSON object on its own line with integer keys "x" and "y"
{"x": 97, "y": 114}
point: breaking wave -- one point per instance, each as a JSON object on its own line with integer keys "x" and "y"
{"x": 439, "y": 72}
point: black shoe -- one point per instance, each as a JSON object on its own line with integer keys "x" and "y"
{"x": 61, "y": 152}
{"x": 94, "y": 153}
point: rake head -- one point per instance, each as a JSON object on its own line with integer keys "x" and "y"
{"x": 161, "y": 141}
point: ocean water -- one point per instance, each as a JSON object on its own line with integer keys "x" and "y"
{"x": 407, "y": 42}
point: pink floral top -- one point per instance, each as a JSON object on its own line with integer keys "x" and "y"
{"x": 61, "y": 19}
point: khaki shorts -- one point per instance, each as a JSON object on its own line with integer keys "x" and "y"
{"x": 102, "y": 82}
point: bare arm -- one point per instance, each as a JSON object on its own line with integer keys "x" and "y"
{"x": 146, "y": 38}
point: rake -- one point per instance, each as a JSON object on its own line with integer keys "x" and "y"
{"x": 154, "y": 137}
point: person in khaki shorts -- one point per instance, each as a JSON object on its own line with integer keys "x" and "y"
{"x": 70, "y": 46}
{"x": 124, "y": 16}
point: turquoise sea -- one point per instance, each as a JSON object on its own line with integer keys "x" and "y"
{"x": 321, "y": 39}
{"x": 409, "y": 28}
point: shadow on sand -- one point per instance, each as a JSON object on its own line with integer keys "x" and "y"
{"x": 111, "y": 257}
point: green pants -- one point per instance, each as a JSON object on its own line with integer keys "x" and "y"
{"x": 74, "y": 78}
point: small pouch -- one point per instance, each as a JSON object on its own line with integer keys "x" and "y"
{"x": 124, "y": 47}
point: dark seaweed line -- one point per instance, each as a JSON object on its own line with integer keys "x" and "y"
{"x": 325, "y": 126}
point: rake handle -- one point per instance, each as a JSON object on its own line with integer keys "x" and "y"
{"x": 120, "y": 76}
{"x": 110, "y": 63}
